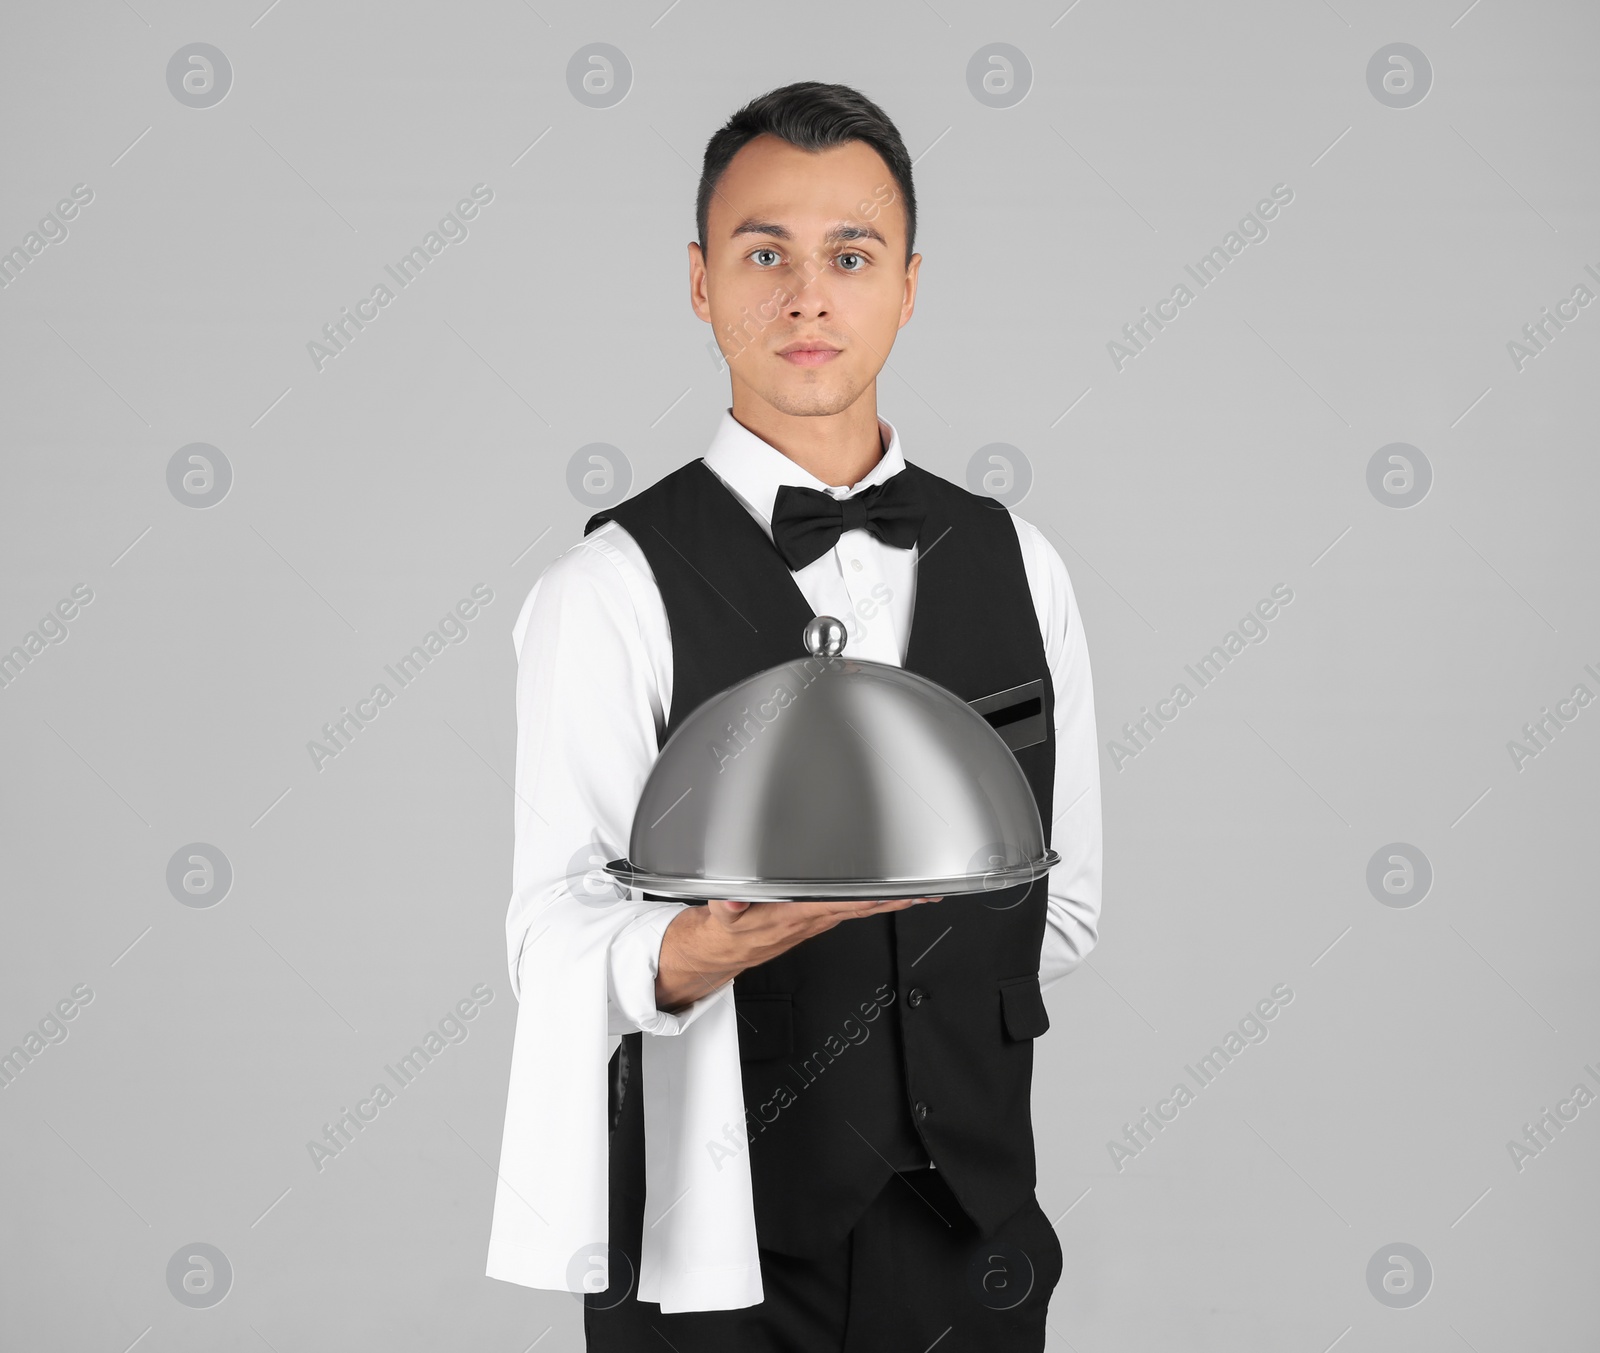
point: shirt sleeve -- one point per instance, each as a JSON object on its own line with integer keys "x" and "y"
{"x": 1073, "y": 920}
{"x": 588, "y": 707}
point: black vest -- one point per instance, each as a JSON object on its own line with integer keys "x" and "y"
{"x": 891, "y": 1038}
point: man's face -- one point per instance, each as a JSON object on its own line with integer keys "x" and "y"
{"x": 805, "y": 248}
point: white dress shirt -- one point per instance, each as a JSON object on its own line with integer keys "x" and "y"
{"x": 594, "y": 691}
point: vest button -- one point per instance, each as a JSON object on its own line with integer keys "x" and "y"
{"x": 914, "y": 996}
{"x": 922, "y": 1108}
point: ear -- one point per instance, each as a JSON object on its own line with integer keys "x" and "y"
{"x": 699, "y": 297}
{"x": 909, "y": 302}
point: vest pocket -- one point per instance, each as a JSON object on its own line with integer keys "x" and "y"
{"x": 1022, "y": 1006}
{"x": 766, "y": 1026}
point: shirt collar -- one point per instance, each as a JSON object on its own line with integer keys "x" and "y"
{"x": 754, "y": 469}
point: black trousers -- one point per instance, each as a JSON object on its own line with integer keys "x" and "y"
{"x": 910, "y": 1276}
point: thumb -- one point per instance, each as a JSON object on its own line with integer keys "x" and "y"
{"x": 731, "y": 908}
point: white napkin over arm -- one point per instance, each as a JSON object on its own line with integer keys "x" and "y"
{"x": 582, "y": 963}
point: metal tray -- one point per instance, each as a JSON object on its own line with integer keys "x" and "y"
{"x": 835, "y": 890}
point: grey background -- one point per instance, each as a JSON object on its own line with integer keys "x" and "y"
{"x": 431, "y": 456}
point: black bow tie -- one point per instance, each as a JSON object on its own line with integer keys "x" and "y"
{"x": 807, "y": 523}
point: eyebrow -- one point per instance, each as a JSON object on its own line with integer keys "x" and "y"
{"x": 838, "y": 233}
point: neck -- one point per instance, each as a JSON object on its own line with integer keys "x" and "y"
{"x": 839, "y": 449}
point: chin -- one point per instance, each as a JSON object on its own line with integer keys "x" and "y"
{"x": 815, "y": 402}
{"x": 810, "y": 408}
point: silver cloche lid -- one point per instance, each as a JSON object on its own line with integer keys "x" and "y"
{"x": 831, "y": 778}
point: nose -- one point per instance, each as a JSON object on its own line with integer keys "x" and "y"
{"x": 811, "y": 299}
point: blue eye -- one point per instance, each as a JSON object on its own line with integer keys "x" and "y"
{"x": 856, "y": 256}
{"x": 759, "y": 252}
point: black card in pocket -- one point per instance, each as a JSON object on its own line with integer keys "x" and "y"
{"x": 1017, "y": 714}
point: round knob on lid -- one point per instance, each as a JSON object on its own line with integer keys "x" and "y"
{"x": 824, "y": 636}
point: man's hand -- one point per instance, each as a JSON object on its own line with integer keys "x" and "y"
{"x": 706, "y": 947}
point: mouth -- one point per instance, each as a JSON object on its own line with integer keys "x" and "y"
{"x": 806, "y": 353}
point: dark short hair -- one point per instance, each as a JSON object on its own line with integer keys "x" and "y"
{"x": 811, "y": 116}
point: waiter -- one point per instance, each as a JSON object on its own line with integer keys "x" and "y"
{"x": 885, "y": 1048}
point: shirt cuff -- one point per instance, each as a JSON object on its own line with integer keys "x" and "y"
{"x": 632, "y": 965}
